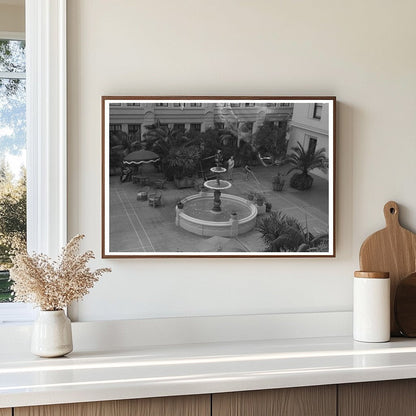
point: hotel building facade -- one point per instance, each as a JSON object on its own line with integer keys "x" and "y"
{"x": 133, "y": 117}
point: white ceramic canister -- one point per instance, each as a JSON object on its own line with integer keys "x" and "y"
{"x": 371, "y": 322}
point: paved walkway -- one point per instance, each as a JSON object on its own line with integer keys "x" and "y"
{"x": 137, "y": 227}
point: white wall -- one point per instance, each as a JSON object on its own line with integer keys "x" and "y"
{"x": 361, "y": 51}
{"x": 12, "y": 17}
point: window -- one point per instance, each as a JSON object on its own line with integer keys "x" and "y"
{"x": 219, "y": 126}
{"x": 133, "y": 104}
{"x": 179, "y": 127}
{"x": 195, "y": 105}
{"x": 161, "y": 104}
{"x": 178, "y": 105}
{"x": 235, "y": 105}
{"x": 115, "y": 104}
{"x": 115, "y": 127}
{"x": 45, "y": 135}
{"x": 195, "y": 127}
{"x": 312, "y": 145}
{"x": 249, "y": 104}
{"x": 247, "y": 127}
{"x": 134, "y": 128}
{"x": 317, "y": 111}
{"x": 285, "y": 104}
{"x": 271, "y": 105}
{"x": 13, "y": 155}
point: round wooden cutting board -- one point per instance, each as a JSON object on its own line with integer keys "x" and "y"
{"x": 392, "y": 250}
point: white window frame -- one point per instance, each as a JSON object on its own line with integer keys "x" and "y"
{"x": 46, "y": 133}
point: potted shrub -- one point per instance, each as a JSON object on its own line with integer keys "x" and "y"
{"x": 278, "y": 182}
{"x": 268, "y": 206}
{"x": 260, "y": 199}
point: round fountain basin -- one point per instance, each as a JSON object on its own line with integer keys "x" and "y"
{"x": 197, "y": 216}
{"x": 213, "y": 184}
{"x": 218, "y": 169}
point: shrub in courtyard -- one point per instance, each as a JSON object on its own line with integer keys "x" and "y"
{"x": 270, "y": 140}
{"x": 283, "y": 233}
{"x": 184, "y": 161}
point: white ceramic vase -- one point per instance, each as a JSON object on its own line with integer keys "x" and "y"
{"x": 52, "y": 334}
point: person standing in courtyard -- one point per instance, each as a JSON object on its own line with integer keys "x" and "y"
{"x": 247, "y": 170}
{"x": 230, "y": 163}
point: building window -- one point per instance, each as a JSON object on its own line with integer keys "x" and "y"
{"x": 115, "y": 104}
{"x": 178, "y": 105}
{"x": 317, "y": 111}
{"x": 249, "y": 104}
{"x": 219, "y": 126}
{"x": 133, "y": 128}
{"x": 271, "y": 105}
{"x": 12, "y": 155}
{"x": 247, "y": 127}
{"x": 161, "y": 104}
{"x": 235, "y": 105}
{"x": 179, "y": 127}
{"x": 195, "y": 105}
{"x": 195, "y": 127}
{"x": 115, "y": 127}
{"x": 133, "y": 104}
{"x": 285, "y": 104}
{"x": 312, "y": 145}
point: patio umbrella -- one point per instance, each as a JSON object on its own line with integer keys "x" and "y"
{"x": 217, "y": 243}
{"x": 141, "y": 156}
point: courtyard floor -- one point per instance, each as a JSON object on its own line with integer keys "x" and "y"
{"x": 137, "y": 227}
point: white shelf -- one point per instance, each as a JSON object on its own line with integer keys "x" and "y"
{"x": 151, "y": 371}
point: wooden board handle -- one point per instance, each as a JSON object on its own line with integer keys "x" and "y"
{"x": 391, "y": 214}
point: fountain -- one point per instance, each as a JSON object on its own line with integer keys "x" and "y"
{"x": 215, "y": 213}
{"x": 217, "y": 186}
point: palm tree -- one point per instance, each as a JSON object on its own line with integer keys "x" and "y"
{"x": 283, "y": 233}
{"x": 163, "y": 140}
{"x": 305, "y": 161}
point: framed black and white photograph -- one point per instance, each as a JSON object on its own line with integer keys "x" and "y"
{"x": 218, "y": 176}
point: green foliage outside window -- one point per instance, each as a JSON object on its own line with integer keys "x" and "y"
{"x": 12, "y": 155}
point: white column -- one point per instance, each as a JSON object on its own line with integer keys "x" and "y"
{"x": 46, "y": 125}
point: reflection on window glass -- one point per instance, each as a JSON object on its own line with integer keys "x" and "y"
{"x": 12, "y": 56}
{"x": 12, "y": 156}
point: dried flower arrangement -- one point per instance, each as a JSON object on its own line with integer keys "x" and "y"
{"x": 53, "y": 285}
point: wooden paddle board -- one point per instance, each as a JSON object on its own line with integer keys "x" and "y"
{"x": 392, "y": 250}
{"x": 405, "y": 306}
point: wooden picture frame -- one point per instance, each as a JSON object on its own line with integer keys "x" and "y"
{"x": 206, "y": 176}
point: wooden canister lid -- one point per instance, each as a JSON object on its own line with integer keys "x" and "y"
{"x": 372, "y": 275}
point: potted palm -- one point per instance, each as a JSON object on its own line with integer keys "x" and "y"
{"x": 52, "y": 286}
{"x": 305, "y": 161}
